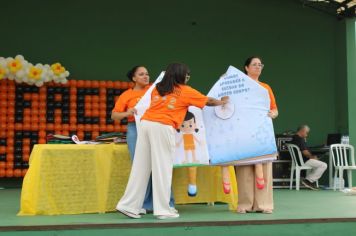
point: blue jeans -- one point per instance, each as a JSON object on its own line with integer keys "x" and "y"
{"x": 131, "y": 138}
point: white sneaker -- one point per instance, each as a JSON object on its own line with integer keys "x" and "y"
{"x": 129, "y": 214}
{"x": 166, "y": 217}
{"x": 173, "y": 210}
{"x": 142, "y": 211}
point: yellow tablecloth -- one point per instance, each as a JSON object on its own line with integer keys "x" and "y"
{"x": 75, "y": 179}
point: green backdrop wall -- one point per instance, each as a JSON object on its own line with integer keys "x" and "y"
{"x": 101, "y": 40}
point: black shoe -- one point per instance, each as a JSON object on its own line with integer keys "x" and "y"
{"x": 309, "y": 184}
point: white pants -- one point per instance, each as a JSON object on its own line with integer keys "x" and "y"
{"x": 318, "y": 169}
{"x": 155, "y": 149}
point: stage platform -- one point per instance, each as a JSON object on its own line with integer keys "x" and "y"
{"x": 304, "y": 212}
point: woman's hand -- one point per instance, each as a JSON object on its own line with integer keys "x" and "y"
{"x": 225, "y": 100}
{"x": 273, "y": 114}
{"x": 131, "y": 111}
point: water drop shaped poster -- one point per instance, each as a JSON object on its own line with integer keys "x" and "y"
{"x": 240, "y": 133}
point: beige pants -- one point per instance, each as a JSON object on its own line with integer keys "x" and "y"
{"x": 319, "y": 168}
{"x": 154, "y": 152}
{"x": 251, "y": 198}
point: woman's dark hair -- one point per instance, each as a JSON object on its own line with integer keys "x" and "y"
{"x": 131, "y": 73}
{"x": 248, "y": 62}
{"x": 175, "y": 74}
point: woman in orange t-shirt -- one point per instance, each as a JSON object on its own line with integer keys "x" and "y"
{"x": 258, "y": 195}
{"x": 155, "y": 150}
{"x": 125, "y": 105}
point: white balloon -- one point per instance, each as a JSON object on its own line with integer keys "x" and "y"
{"x": 39, "y": 83}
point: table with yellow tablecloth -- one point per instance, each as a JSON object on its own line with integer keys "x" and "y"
{"x": 75, "y": 179}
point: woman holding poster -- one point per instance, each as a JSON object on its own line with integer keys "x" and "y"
{"x": 156, "y": 143}
{"x": 255, "y": 181}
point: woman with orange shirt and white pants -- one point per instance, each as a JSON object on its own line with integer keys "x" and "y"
{"x": 255, "y": 182}
{"x": 156, "y": 142}
{"x": 124, "y": 108}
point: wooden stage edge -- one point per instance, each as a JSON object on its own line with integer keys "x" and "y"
{"x": 173, "y": 224}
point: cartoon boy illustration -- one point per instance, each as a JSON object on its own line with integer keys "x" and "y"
{"x": 188, "y": 129}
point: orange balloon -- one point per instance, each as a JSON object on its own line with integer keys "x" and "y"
{"x": 18, "y": 126}
{"x": 43, "y": 97}
{"x": 9, "y": 165}
{"x": 2, "y": 173}
{"x": 10, "y": 142}
{"x": 25, "y": 157}
{"x": 26, "y": 126}
{"x": 9, "y": 157}
{"x": 65, "y": 132}
{"x": 109, "y": 128}
{"x": 87, "y": 112}
{"x": 3, "y": 134}
{"x": 109, "y": 84}
{"x": 42, "y": 134}
{"x": 124, "y": 85}
{"x": 73, "y": 120}
{"x": 102, "y": 84}
{"x": 87, "y": 99}
{"x": 94, "y": 134}
{"x": 80, "y": 127}
{"x": 117, "y": 84}
{"x": 3, "y": 119}
{"x": 72, "y": 82}
{"x": 95, "y": 113}
{"x": 34, "y": 126}
{"x": 103, "y": 113}
{"x": 102, "y": 91}
{"x": 73, "y": 91}
{"x": 58, "y": 97}
{"x": 87, "y": 83}
{"x": 95, "y": 84}
{"x": 11, "y": 119}
{"x": 42, "y": 112}
{"x": 95, "y": 106}
{"x": 17, "y": 173}
{"x": 80, "y": 83}
{"x": 87, "y": 127}
{"x": 50, "y": 126}
{"x": 87, "y": 106}
{"x": 3, "y": 149}
{"x": 2, "y": 165}
{"x": 27, "y": 96}
{"x": 8, "y": 134}
{"x": 26, "y": 141}
{"x": 9, "y": 173}
{"x": 80, "y": 135}
{"x": 73, "y": 98}
{"x": 35, "y": 97}
{"x": 73, "y": 106}
{"x": 42, "y": 141}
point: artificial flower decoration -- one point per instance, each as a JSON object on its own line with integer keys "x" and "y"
{"x": 3, "y": 68}
{"x": 35, "y": 73}
{"x": 57, "y": 68}
{"x": 21, "y": 71}
{"x": 2, "y": 73}
{"x": 59, "y": 73}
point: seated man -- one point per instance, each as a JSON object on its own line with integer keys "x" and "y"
{"x": 311, "y": 160}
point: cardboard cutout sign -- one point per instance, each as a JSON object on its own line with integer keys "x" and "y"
{"x": 191, "y": 146}
{"x": 241, "y": 132}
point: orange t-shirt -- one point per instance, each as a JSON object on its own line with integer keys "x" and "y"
{"x": 129, "y": 99}
{"x": 171, "y": 108}
{"x": 273, "y": 104}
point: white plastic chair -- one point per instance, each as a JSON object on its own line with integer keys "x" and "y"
{"x": 296, "y": 154}
{"x": 343, "y": 157}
